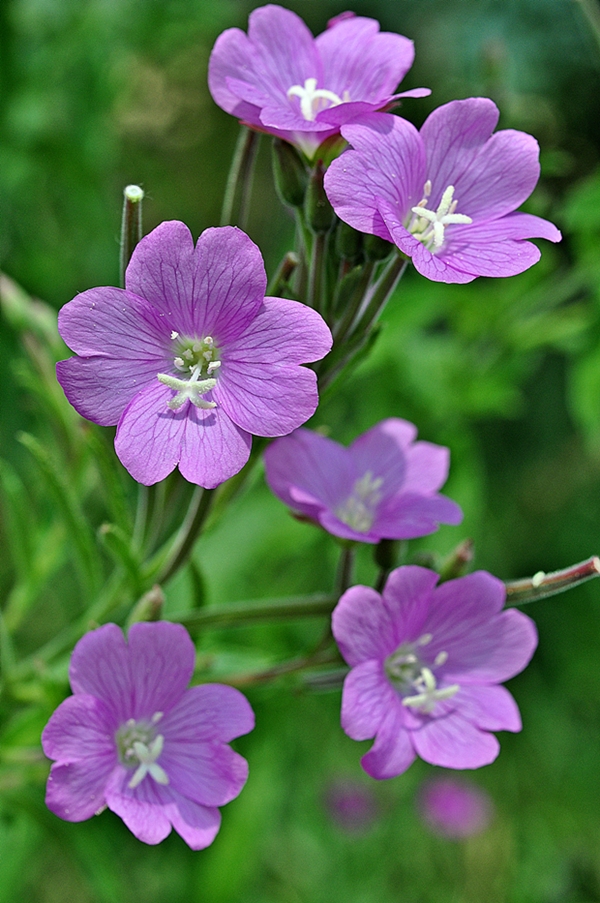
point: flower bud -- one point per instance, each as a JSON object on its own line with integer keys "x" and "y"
{"x": 319, "y": 212}
{"x": 289, "y": 173}
{"x": 376, "y": 248}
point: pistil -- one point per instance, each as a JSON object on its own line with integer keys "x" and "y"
{"x": 310, "y": 96}
{"x": 430, "y": 225}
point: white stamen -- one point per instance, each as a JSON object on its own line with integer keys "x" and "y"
{"x": 425, "y": 639}
{"x": 214, "y": 365}
{"x": 147, "y": 756}
{"x": 438, "y": 219}
{"x": 440, "y": 659}
{"x": 174, "y": 335}
{"x": 310, "y": 96}
{"x": 428, "y": 694}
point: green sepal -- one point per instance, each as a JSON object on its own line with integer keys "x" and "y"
{"x": 290, "y": 173}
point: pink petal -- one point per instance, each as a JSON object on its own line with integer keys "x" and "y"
{"x": 100, "y": 667}
{"x": 361, "y": 60}
{"x": 379, "y": 453}
{"x": 411, "y": 515}
{"x": 209, "y": 712}
{"x": 75, "y": 790}
{"x": 393, "y": 752}
{"x": 407, "y": 597}
{"x": 213, "y": 448}
{"x": 309, "y": 465}
{"x": 488, "y": 708}
{"x": 111, "y": 322}
{"x": 208, "y": 773}
{"x": 284, "y": 47}
{"x": 387, "y": 161}
{"x": 82, "y": 727}
{"x": 362, "y": 626}
{"x": 453, "y": 742}
{"x": 197, "y": 825}
{"x": 231, "y": 57}
{"x": 214, "y": 289}
{"x": 427, "y": 467}
{"x": 100, "y": 388}
{"x": 366, "y": 700}
{"x": 161, "y": 660}
{"x": 143, "y": 809}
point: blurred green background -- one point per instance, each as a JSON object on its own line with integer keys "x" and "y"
{"x": 97, "y": 94}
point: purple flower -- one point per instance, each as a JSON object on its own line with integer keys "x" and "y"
{"x": 384, "y": 486}
{"x": 133, "y": 738}
{"x": 191, "y": 358}
{"x": 279, "y": 79}
{"x": 351, "y": 805}
{"x": 454, "y": 808}
{"x": 445, "y": 195}
{"x": 425, "y": 664}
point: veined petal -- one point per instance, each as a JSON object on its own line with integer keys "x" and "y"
{"x": 361, "y": 60}
{"x": 283, "y": 332}
{"x": 75, "y": 790}
{"x": 490, "y": 708}
{"x": 143, "y": 809}
{"x": 267, "y": 400}
{"x": 82, "y": 726}
{"x": 407, "y": 597}
{"x": 393, "y": 751}
{"x": 366, "y": 700}
{"x": 161, "y": 661}
{"x": 100, "y": 388}
{"x": 208, "y": 773}
{"x": 197, "y": 825}
{"x": 387, "y": 161}
{"x": 284, "y": 48}
{"x": 453, "y": 742}
{"x": 100, "y": 667}
{"x": 363, "y": 628}
{"x": 427, "y": 467}
{"x": 411, "y": 515}
{"x": 231, "y": 57}
{"x": 115, "y": 323}
{"x": 379, "y": 453}
{"x": 214, "y": 289}
{"x": 213, "y": 448}
{"x": 453, "y": 136}
{"x": 209, "y": 712}
{"x": 311, "y": 463}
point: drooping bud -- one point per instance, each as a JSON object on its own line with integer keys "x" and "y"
{"x": 289, "y": 172}
{"x": 348, "y": 242}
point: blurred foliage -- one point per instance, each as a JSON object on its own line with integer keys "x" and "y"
{"x": 97, "y": 94}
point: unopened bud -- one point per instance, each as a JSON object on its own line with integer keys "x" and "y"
{"x": 319, "y": 212}
{"x": 289, "y": 172}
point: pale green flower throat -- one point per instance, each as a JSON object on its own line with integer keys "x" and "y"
{"x": 359, "y": 509}
{"x": 199, "y": 359}
{"x": 139, "y": 746}
{"x": 415, "y": 681}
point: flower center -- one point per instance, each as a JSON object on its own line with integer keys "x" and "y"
{"x": 358, "y": 510}
{"x": 313, "y": 99}
{"x": 414, "y": 680}
{"x": 429, "y": 226}
{"x": 197, "y": 360}
{"x": 139, "y": 746}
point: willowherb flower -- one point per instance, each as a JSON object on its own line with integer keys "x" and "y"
{"x": 446, "y": 195}
{"x": 454, "y": 808}
{"x": 384, "y": 486}
{"x": 190, "y": 358}
{"x": 426, "y": 663}
{"x": 279, "y": 79}
{"x": 135, "y": 739}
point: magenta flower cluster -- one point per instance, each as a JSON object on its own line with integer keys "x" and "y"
{"x": 384, "y": 486}
{"x": 426, "y": 663}
{"x": 134, "y": 738}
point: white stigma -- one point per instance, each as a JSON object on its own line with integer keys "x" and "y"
{"x": 196, "y": 362}
{"x": 310, "y": 97}
{"x": 147, "y": 754}
{"x": 428, "y": 693}
{"x": 431, "y": 225}
{"x": 191, "y": 389}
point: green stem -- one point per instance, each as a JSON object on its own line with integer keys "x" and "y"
{"x": 239, "y": 180}
{"x": 344, "y": 327}
{"x": 542, "y": 585}
{"x": 241, "y": 614}
{"x": 324, "y": 657}
{"x": 345, "y": 570}
{"x": 186, "y": 536}
{"x": 385, "y": 286}
{"x": 131, "y": 225}
{"x": 316, "y": 273}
